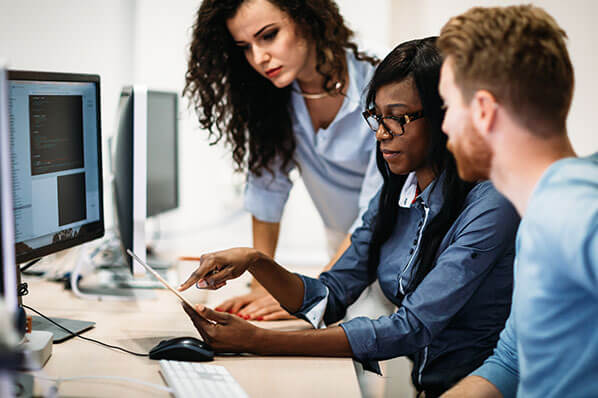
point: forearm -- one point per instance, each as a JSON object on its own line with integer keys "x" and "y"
{"x": 265, "y": 239}
{"x": 330, "y": 342}
{"x": 339, "y": 252}
{"x": 473, "y": 386}
{"x": 285, "y": 286}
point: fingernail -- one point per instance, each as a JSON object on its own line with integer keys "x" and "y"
{"x": 201, "y": 284}
{"x": 230, "y": 311}
{"x": 218, "y": 309}
{"x": 260, "y": 318}
{"x": 246, "y": 317}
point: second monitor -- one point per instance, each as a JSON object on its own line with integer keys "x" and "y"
{"x": 145, "y": 164}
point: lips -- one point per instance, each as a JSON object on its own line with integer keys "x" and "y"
{"x": 273, "y": 72}
{"x": 387, "y": 154}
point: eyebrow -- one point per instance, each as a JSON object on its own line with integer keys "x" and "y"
{"x": 262, "y": 29}
{"x": 256, "y": 34}
{"x": 397, "y": 105}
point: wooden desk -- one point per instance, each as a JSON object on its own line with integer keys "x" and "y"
{"x": 140, "y": 325}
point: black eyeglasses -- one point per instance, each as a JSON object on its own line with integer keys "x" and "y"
{"x": 391, "y": 124}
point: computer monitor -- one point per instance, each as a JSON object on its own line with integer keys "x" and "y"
{"x": 8, "y": 274}
{"x": 8, "y": 278}
{"x": 55, "y": 135}
{"x": 162, "y": 152}
{"x": 145, "y": 164}
{"x": 56, "y": 167}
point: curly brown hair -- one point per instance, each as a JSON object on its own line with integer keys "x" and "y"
{"x": 234, "y": 101}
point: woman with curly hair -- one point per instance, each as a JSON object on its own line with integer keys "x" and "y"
{"x": 281, "y": 82}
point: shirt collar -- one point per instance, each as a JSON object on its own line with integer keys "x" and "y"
{"x": 431, "y": 197}
{"x": 408, "y": 191}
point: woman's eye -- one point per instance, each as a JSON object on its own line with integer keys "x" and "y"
{"x": 270, "y": 35}
{"x": 244, "y": 47}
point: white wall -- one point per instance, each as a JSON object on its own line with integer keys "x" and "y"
{"x": 73, "y": 36}
{"x": 578, "y": 18}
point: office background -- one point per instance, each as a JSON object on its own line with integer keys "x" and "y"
{"x": 146, "y": 41}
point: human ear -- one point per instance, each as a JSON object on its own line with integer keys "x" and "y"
{"x": 483, "y": 112}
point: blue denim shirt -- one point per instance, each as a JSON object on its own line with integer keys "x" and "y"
{"x": 450, "y": 323}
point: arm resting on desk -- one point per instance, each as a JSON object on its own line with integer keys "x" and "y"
{"x": 229, "y": 333}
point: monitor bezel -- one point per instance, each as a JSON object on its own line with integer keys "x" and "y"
{"x": 8, "y": 290}
{"x": 92, "y": 230}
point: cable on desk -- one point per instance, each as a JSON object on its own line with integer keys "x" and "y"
{"x": 59, "y": 380}
{"x": 82, "y": 337}
{"x": 30, "y": 264}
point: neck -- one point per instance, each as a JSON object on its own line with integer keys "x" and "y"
{"x": 309, "y": 79}
{"x": 425, "y": 176}
{"x": 524, "y": 158}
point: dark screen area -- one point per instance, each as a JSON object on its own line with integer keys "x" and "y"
{"x": 72, "y": 202}
{"x": 56, "y": 132}
{"x": 162, "y": 152}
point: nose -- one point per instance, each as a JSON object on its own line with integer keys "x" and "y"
{"x": 260, "y": 55}
{"x": 443, "y": 126}
{"x": 382, "y": 134}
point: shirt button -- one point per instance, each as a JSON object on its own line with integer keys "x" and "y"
{"x": 474, "y": 255}
{"x": 415, "y": 241}
{"x": 411, "y": 251}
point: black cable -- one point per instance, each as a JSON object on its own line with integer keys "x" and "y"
{"x": 23, "y": 289}
{"x": 30, "y": 264}
{"x": 82, "y": 337}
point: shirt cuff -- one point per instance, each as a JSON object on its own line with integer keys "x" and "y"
{"x": 501, "y": 378}
{"x": 362, "y": 339}
{"x": 315, "y": 300}
{"x": 263, "y": 204}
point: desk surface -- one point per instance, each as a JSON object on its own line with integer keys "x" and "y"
{"x": 139, "y": 325}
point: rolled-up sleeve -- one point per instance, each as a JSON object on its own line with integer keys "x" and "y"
{"x": 481, "y": 241}
{"x": 315, "y": 298}
{"x": 502, "y": 368}
{"x": 266, "y": 195}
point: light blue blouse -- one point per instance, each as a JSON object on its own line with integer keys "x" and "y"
{"x": 337, "y": 164}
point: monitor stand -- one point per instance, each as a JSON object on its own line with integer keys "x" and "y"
{"x": 58, "y": 334}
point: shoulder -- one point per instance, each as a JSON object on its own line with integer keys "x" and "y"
{"x": 483, "y": 197}
{"x": 564, "y": 204}
{"x": 487, "y": 209}
{"x": 361, "y": 71}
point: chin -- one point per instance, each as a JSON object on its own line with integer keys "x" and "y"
{"x": 398, "y": 170}
{"x": 281, "y": 81}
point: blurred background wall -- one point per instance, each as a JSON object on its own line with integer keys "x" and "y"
{"x": 146, "y": 42}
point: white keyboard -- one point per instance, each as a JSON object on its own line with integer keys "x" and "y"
{"x": 193, "y": 379}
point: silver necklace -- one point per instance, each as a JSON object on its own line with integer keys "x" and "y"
{"x": 323, "y": 94}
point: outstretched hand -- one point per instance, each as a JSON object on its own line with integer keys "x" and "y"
{"x": 223, "y": 332}
{"x": 218, "y": 267}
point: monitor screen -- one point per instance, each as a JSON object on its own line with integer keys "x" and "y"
{"x": 162, "y": 152}
{"x": 55, "y": 142}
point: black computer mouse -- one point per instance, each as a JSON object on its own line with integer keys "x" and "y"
{"x": 182, "y": 349}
